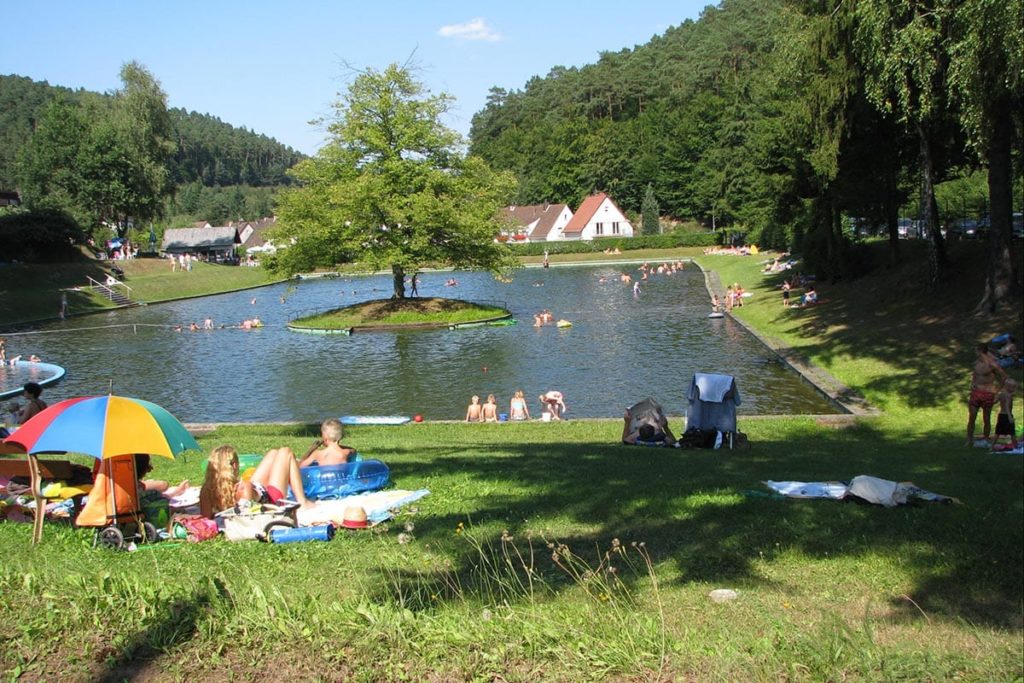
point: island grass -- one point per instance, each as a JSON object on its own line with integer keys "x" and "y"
{"x": 545, "y": 551}
{"x": 410, "y": 311}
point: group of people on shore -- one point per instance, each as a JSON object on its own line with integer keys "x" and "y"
{"x": 552, "y": 408}
{"x": 277, "y": 472}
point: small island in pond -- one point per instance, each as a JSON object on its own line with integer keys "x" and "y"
{"x": 398, "y": 314}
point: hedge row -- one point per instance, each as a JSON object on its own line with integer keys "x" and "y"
{"x": 670, "y": 241}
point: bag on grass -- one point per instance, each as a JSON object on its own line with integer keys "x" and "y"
{"x": 247, "y": 525}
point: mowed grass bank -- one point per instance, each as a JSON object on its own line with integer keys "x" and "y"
{"x": 32, "y": 292}
{"x": 521, "y": 565}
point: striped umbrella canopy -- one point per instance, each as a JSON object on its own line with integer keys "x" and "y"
{"x": 103, "y": 427}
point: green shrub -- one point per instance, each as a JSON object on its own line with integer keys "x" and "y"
{"x": 46, "y": 236}
{"x": 669, "y": 241}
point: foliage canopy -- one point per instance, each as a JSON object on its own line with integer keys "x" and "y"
{"x": 392, "y": 189}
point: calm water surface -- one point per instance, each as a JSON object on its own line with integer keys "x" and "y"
{"x": 621, "y": 348}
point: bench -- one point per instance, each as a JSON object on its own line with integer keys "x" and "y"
{"x": 48, "y": 469}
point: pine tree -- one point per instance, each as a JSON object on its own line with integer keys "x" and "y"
{"x": 649, "y": 210}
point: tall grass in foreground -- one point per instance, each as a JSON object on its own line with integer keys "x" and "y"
{"x": 411, "y": 612}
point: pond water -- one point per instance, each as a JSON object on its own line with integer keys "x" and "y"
{"x": 620, "y": 349}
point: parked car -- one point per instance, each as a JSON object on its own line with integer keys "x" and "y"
{"x": 909, "y": 229}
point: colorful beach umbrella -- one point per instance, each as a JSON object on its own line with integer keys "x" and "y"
{"x": 103, "y": 427}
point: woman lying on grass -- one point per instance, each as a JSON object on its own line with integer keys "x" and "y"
{"x": 223, "y": 488}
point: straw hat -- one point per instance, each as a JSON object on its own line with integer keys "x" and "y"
{"x": 354, "y": 518}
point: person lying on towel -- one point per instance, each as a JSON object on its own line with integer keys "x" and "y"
{"x": 646, "y": 433}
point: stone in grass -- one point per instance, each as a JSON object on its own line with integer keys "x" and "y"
{"x": 723, "y": 595}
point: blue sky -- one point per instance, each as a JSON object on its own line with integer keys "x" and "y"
{"x": 275, "y": 66}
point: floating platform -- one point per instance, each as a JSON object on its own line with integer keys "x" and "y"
{"x": 14, "y": 376}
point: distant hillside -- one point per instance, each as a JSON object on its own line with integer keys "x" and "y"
{"x": 210, "y": 151}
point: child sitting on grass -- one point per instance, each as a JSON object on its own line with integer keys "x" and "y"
{"x": 1005, "y": 424}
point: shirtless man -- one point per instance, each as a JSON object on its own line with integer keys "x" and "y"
{"x": 983, "y": 391}
{"x": 332, "y": 452}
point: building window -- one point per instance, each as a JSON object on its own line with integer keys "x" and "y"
{"x": 599, "y": 228}
{"x": 615, "y": 228}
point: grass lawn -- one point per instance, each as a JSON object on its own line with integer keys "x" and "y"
{"x": 32, "y": 292}
{"x": 546, "y": 551}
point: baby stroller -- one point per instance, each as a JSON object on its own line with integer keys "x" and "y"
{"x": 113, "y": 507}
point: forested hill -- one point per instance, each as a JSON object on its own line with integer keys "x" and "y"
{"x": 210, "y": 151}
{"x": 692, "y": 112}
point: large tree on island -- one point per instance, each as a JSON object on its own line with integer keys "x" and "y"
{"x": 391, "y": 188}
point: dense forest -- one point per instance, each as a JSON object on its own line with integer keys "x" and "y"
{"x": 795, "y": 122}
{"x": 208, "y": 151}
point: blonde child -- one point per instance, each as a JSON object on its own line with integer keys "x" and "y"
{"x": 474, "y": 413}
{"x": 223, "y": 487}
{"x": 490, "y": 409}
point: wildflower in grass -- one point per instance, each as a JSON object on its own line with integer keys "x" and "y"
{"x": 404, "y": 539}
{"x": 460, "y": 528}
{"x": 506, "y": 537}
{"x": 486, "y": 615}
{"x": 409, "y": 526}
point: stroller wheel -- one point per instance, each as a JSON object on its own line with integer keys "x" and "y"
{"x": 149, "y": 534}
{"x": 112, "y": 538}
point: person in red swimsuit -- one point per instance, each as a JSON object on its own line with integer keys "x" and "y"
{"x": 984, "y": 378}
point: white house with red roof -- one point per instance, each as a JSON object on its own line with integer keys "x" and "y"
{"x": 598, "y": 216}
{"x": 538, "y": 222}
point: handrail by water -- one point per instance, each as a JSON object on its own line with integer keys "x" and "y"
{"x": 106, "y": 290}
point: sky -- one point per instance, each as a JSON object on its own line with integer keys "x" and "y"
{"x": 274, "y": 67}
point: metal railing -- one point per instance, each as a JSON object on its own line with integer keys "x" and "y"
{"x": 108, "y": 290}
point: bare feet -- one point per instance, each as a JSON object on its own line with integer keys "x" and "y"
{"x": 177, "y": 490}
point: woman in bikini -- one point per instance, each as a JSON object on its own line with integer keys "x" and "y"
{"x": 517, "y": 407}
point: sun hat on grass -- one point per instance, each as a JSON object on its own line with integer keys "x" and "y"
{"x": 354, "y": 518}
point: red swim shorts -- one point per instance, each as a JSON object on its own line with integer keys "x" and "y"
{"x": 267, "y": 493}
{"x": 981, "y": 399}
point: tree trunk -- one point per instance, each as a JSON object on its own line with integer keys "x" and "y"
{"x": 892, "y": 218}
{"x": 398, "y": 280}
{"x": 1001, "y": 283}
{"x": 930, "y": 208}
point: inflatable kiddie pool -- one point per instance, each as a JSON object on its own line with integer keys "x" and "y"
{"x": 338, "y": 481}
{"x": 329, "y": 481}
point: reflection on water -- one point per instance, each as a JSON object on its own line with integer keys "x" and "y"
{"x": 620, "y": 349}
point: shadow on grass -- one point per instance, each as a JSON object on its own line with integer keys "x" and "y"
{"x": 139, "y": 657}
{"x": 929, "y": 335}
{"x": 704, "y": 513}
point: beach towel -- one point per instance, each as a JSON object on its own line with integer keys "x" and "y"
{"x": 867, "y": 488}
{"x": 379, "y": 506}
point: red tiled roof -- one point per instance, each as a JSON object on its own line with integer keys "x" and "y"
{"x": 586, "y": 211}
